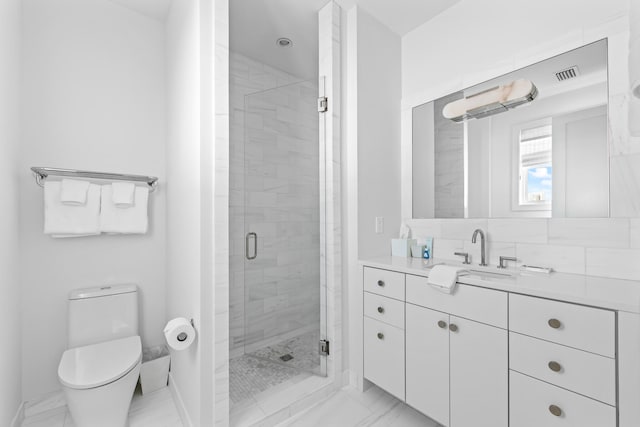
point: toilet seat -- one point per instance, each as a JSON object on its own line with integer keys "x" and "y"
{"x": 99, "y": 364}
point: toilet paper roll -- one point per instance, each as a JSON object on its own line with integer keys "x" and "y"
{"x": 179, "y": 333}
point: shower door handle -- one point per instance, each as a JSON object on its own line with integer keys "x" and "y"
{"x": 255, "y": 245}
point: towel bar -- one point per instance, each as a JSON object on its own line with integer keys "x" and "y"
{"x": 42, "y": 173}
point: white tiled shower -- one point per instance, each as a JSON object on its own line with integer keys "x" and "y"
{"x": 274, "y": 185}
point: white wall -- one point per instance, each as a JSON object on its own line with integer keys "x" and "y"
{"x": 94, "y": 99}
{"x": 378, "y": 139}
{"x": 10, "y": 295}
{"x": 371, "y": 147}
{"x": 183, "y": 193}
{"x": 197, "y": 51}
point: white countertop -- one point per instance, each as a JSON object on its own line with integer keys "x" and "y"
{"x": 616, "y": 294}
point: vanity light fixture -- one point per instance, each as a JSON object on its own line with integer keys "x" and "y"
{"x": 491, "y": 101}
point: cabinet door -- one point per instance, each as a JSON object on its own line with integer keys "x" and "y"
{"x": 384, "y": 356}
{"x": 427, "y": 360}
{"x": 478, "y": 374}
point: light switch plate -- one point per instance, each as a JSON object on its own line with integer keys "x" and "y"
{"x": 379, "y": 224}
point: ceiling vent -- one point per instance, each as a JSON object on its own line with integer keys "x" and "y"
{"x": 568, "y": 73}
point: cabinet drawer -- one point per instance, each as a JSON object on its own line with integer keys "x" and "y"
{"x": 585, "y": 328}
{"x": 531, "y": 405}
{"x": 383, "y": 282}
{"x": 384, "y": 356}
{"x": 585, "y": 373}
{"x": 471, "y": 302}
{"x": 384, "y": 309}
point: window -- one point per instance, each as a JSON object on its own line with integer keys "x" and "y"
{"x": 535, "y": 167}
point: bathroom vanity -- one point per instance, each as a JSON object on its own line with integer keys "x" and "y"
{"x": 518, "y": 349}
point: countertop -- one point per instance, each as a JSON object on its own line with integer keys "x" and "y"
{"x": 615, "y": 294}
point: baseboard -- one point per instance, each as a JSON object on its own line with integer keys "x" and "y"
{"x": 19, "y": 418}
{"x": 177, "y": 399}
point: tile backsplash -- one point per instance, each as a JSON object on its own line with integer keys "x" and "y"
{"x": 605, "y": 247}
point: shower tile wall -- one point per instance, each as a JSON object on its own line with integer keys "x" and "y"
{"x": 449, "y": 152}
{"x": 279, "y": 196}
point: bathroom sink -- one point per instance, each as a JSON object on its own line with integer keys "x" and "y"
{"x": 492, "y": 274}
{"x": 483, "y": 272}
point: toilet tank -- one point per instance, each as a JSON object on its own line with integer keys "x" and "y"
{"x": 102, "y": 314}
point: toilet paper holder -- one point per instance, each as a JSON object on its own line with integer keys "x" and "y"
{"x": 182, "y": 336}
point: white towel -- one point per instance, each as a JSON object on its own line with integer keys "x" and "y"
{"x": 62, "y": 220}
{"x": 445, "y": 277}
{"x": 124, "y": 221}
{"x": 123, "y": 194}
{"x": 74, "y": 192}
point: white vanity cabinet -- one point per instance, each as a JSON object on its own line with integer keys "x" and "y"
{"x": 456, "y": 367}
{"x": 529, "y": 351}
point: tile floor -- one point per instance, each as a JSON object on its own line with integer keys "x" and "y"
{"x": 349, "y": 407}
{"x": 343, "y": 408}
{"x": 155, "y": 409}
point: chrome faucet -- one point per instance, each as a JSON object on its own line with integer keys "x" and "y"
{"x": 482, "y": 253}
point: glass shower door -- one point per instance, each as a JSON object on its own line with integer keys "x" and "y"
{"x": 283, "y": 214}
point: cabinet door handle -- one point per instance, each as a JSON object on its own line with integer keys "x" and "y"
{"x": 554, "y": 323}
{"x": 381, "y": 283}
{"x": 555, "y": 410}
{"x": 453, "y": 327}
{"x": 442, "y": 324}
{"x": 555, "y": 366}
{"x": 380, "y": 336}
{"x": 381, "y": 310}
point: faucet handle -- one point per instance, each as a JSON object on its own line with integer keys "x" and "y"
{"x": 506, "y": 258}
{"x": 465, "y": 255}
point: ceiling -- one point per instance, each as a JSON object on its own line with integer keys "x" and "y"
{"x": 255, "y": 25}
{"x": 156, "y": 9}
{"x": 401, "y": 16}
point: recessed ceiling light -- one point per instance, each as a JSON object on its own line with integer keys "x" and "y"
{"x": 284, "y": 42}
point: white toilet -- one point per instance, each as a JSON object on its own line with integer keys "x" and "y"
{"x": 100, "y": 370}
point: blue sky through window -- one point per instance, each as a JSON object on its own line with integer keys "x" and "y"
{"x": 539, "y": 182}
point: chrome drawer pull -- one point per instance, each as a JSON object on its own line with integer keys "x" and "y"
{"x": 381, "y": 283}
{"x": 555, "y": 366}
{"x": 555, "y": 410}
{"x": 380, "y": 336}
{"x": 453, "y": 328}
{"x": 381, "y": 310}
{"x": 442, "y": 324}
{"x": 554, "y": 323}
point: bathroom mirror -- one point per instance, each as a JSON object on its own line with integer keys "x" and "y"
{"x": 530, "y": 143}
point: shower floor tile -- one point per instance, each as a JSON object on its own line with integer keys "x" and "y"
{"x": 263, "y": 369}
{"x": 251, "y": 375}
{"x": 303, "y": 349}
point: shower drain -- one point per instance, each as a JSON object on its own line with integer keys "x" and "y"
{"x": 286, "y": 357}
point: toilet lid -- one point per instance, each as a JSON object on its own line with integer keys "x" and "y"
{"x": 99, "y": 364}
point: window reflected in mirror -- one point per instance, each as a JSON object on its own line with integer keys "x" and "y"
{"x": 532, "y": 143}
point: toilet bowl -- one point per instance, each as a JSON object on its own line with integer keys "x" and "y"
{"x": 98, "y": 381}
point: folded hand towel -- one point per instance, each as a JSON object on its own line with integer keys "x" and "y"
{"x": 445, "y": 277}
{"x": 124, "y": 221}
{"x": 123, "y": 194}
{"x": 62, "y": 220}
{"x": 74, "y": 192}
